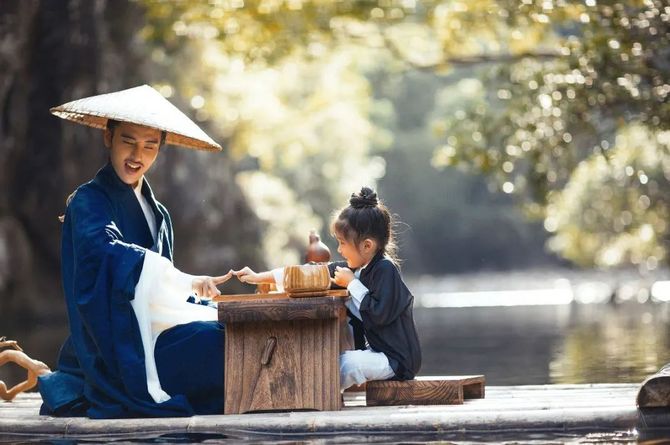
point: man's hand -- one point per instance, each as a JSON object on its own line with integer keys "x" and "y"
{"x": 205, "y": 287}
{"x": 246, "y": 275}
{"x": 343, "y": 276}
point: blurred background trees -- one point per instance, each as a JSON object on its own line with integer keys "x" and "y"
{"x": 488, "y": 126}
{"x": 525, "y": 92}
{"x": 580, "y": 129}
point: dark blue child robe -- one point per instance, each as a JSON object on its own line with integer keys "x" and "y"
{"x": 101, "y": 369}
{"x": 387, "y": 320}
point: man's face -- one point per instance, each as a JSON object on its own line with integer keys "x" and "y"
{"x": 133, "y": 150}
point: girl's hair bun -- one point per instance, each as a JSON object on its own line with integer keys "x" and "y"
{"x": 364, "y": 199}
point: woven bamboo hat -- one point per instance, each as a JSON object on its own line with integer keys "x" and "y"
{"x": 141, "y": 105}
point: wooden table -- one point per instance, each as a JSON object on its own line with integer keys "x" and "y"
{"x": 281, "y": 353}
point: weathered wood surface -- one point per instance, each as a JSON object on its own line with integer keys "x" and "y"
{"x": 342, "y": 293}
{"x": 261, "y": 308}
{"x": 442, "y": 390}
{"x": 566, "y": 408}
{"x": 655, "y": 390}
{"x": 282, "y": 365}
{"x": 282, "y": 354}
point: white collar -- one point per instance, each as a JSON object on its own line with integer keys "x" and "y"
{"x": 357, "y": 274}
{"x": 138, "y": 188}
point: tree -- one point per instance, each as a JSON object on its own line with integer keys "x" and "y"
{"x": 556, "y": 80}
{"x": 543, "y": 125}
{"x": 53, "y": 52}
{"x": 296, "y": 116}
{"x": 614, "y": 208}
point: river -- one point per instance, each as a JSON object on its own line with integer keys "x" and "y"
{"x": 516, "y": 328}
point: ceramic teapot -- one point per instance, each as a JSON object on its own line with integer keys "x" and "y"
{"x": 317, "y": 251}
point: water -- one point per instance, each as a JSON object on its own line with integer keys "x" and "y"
{"x": 547, "y": 344}
{"x": 554, "y": 327}
{"x": 557, "y": 326}
{"x": 451, "y": 438}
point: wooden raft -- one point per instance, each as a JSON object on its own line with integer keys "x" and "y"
{"x": 574, "y": 409}
{"x": 281, "y": 353}
{"x": 429, "y": 390}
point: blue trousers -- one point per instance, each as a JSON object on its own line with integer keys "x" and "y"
{"x": 189, "y": 358}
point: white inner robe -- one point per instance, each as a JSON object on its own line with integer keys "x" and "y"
{"x": 160, "y": 303}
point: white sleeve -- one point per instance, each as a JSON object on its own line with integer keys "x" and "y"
{"x": 357, "y": 291}
{"x": 278, "y": 273}
{"x": 159, "y": 304}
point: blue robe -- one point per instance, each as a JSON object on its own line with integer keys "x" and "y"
{"x": 101, "y": 370}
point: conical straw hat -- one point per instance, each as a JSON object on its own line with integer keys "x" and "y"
{"x": 141, "y": 105}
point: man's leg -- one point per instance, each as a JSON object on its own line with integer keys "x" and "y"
{"x": 189, "y": 358}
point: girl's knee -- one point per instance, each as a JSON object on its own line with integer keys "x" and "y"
{"x": 351, "y": 371}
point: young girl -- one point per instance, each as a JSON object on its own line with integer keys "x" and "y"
{"x": 380, "y": 306}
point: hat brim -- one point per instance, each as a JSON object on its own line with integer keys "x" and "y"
{"x": 141, "y": 106}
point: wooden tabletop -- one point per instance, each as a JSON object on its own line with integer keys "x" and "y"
{"x": 281, "y": 306}
{"x": 340, "y": 293}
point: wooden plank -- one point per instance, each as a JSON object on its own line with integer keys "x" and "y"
{"x": 280, "y": 309}
{"x": 446, "y": 390}
{"x": 428, "y": 393}
{"x": 301, "y": 374}
{"x": 473, "y": 385}
{"x": 246, "y": 297}
{"x": 343, "y": 293}
{"x": 282, "y": 353}
{"x": 567, "y": 409}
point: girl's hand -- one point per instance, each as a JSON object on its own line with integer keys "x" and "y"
{"x": 246, "y": 275}
{"x": 343, "y": 276}
{"x": 205, "y": 287}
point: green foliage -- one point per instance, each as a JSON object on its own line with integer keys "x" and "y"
{"x": 451, "y": 221}
{"x": 540, "y": 119}
{"x": 555, "y": 82}
{"x": 265, "y": 31}
{"x": 298, "y": 127}
{"x": 616, "y": 209}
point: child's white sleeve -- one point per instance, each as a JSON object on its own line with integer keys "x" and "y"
{"x": 358, "y": 291}
{"x": 278, "y": 274}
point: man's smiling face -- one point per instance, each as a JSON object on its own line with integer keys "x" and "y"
{"x": 133, "y": 150}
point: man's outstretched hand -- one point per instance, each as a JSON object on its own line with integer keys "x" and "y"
{"x": 205, "y": 287}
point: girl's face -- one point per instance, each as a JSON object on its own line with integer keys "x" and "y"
{"x": 356, "y": 256}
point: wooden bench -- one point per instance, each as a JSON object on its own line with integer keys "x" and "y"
{"x": 428, "y": 390}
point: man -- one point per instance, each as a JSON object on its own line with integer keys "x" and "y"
{"x": 137, "y": 347}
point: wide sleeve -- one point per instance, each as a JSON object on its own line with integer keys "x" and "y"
{"x": 105, "y": 265}
{"x": 100, "y": 278}
{"x": 159, "y": 304}
{"x": 387, "y": 296}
